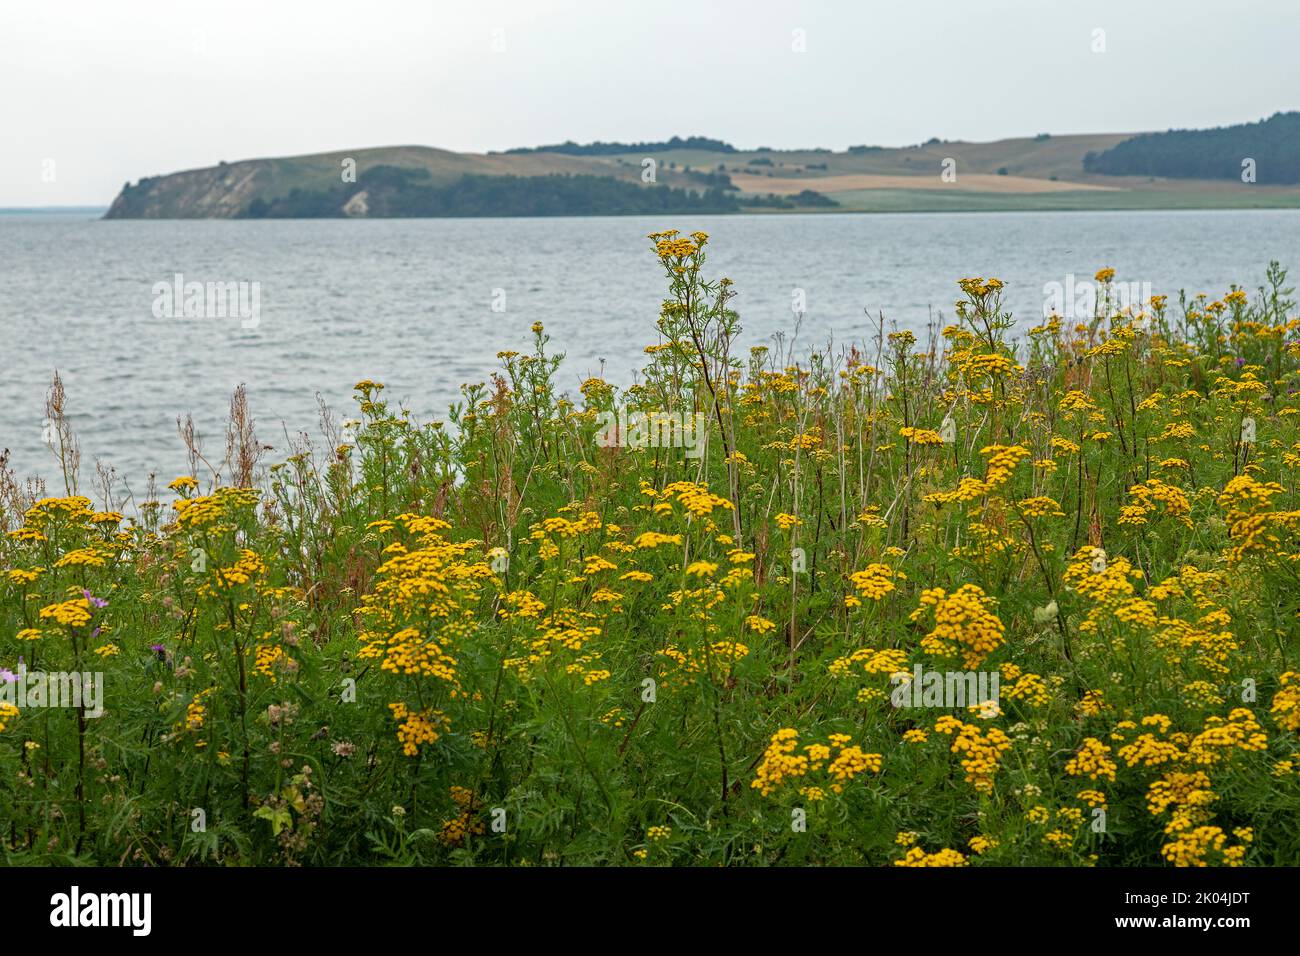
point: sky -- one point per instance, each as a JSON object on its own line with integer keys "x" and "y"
{"x": 94, "y": 94}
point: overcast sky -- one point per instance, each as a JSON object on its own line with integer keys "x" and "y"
{"x": 112, "y": 91}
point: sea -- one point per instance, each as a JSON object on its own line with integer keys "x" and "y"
{"x": 425, "y": 305}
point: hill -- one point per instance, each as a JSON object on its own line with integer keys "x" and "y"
{"x": 1272, "y": 146}
{"x": 698, "y": 174}
{"x": 389, "y": 192}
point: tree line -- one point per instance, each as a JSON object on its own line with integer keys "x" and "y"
{"x": 1220, "y": 153}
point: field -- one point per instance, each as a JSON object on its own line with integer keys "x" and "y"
{"x": 956, "y": 599}
{"x": 976, "y": 182}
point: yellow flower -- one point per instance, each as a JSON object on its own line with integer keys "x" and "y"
{"x": 875, "y": 581}
{"x": 918, "y": 857}
{"x": 921, "y": 436}
{"x": 1285, "y": 709}
{"x": 981, "y": 844}
{"x": 22, "y": 576}
{"x": 1091, "y": 761}
{"x": 74, "y": 613}
{"x": 964, "y": 624}
{"x": 653, "y": 539}
{"x": 1041, "y": 507}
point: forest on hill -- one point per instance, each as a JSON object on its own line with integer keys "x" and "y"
{"x": 391, "y": 191}
{"x": 1272, "y": 146}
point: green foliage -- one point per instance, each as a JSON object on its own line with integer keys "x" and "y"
{"x": 1216, "y": 153}
{"x": 392, "y": 191}
{"x": 570, "y": 148}
{"x": 523, "y": 636}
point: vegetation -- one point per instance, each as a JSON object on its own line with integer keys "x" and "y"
{"x": 1273, "y": 144}
{"x": 805, "y": 198}
{"x": 718, "y": 179}
{"x": 598, "y": 148}
{"x": 132, "y": 200}
{"x": 524, "y": 635}
{"x": 391, "y": 191}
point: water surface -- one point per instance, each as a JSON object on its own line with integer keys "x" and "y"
{"x": 410, "y": 302}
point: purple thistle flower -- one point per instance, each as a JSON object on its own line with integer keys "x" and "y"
{"x": 94, "y": 601}
{"x": 7, "y": 676}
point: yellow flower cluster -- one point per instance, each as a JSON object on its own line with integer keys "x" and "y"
{"x": 1253, "y": 525}
{"x": 696, "y": 498}
{"x": 207, "y": 511}
{"x": 875, "y": 581}
{"x": 1192, "y": 847}
{"x": 7, "y": 713}
{"x": 416, "y": 728}
{"x": 564, "y": 527}
{"x": 1041, "y": 507}
{"x": 945, "y": 857}
{"x": 649, "y": 540}
{"x": 889, "y": 661}
{"x": 840, "y": 761}
{"x": 82, "y": 558}
{"x": 1155, "y": 496}
{"x": 920, "y": 436}
{"x": 682, "y": 667}
{"x": 248, "y": 566}
{"x": 1285, "y": 708}
{"x": 1002, "y": 462}
{"x": 964, "y": 624}
{"x": 981, "y": 750}
{"x": 1092, "y": 761}
{"x": 1110, "y": 585}
{"x": 668, "y": 244}
{"x": 74, "y": 613}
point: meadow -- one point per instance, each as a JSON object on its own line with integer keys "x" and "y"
{"x": 518, "y": 637}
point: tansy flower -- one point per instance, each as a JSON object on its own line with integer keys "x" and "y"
{"x": 921, "y": 436}
{"x": 875, "y": 581}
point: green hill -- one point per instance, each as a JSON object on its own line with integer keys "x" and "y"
{"x": 388, "y": 192}
{"x": 698, "y": 174}
{"x": 1272, "y": 145}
